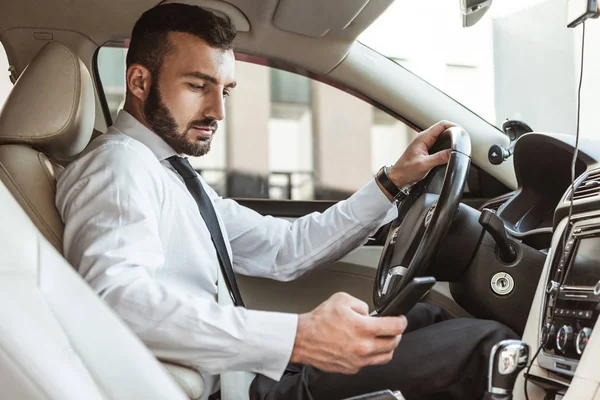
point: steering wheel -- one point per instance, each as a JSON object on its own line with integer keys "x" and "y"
{"x": 423, "y": 221}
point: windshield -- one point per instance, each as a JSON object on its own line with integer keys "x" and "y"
{"x": 519, "y": 62}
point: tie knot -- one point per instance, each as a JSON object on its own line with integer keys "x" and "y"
{"x": 183, "y": 167}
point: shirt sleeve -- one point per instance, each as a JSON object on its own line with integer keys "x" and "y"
{"x": 280, "y": 249}
{"x": 112, "y": 235}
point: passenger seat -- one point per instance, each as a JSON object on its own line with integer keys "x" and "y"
{"x": 47, "y": 120}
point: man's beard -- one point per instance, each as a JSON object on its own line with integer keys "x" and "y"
{"x": 163, "y": 124}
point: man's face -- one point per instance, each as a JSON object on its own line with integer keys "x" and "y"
{"x": 186, "y": 103}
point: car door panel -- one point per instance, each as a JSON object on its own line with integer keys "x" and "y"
{"x": 353, "y": 274}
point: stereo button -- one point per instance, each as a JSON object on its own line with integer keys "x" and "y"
{"x": 564, "y": 337}
{"x": 582, "y": 340}
{"x": 549, "y": 333}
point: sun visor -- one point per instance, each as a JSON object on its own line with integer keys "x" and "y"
{"x": 316, "y": 17}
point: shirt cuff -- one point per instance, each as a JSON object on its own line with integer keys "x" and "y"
{"x": 370, "y": 204}
{"x": 270, "y": 339}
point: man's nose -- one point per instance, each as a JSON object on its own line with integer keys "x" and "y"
{"x": 215, "y": 107}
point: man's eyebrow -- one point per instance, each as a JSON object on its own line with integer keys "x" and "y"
{"x": 206, "y": 77}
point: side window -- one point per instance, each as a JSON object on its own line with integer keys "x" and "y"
{"x": 285, "y": 136}
{"x": 5, "y": 83}
{"x": 111, "y": 69}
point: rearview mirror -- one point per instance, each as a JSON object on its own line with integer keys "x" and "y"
{"x": 472, "y": 10}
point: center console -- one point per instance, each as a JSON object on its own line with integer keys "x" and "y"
{"x": 572, "y": 298}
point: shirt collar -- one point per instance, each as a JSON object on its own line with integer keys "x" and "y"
{"x": 133, "y": 128}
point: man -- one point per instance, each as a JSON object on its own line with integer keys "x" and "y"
{"x": 135, "y": 231}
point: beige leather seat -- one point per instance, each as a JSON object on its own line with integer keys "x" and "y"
{"x": 47, "y": 120}
{"x": 58, "y": 341}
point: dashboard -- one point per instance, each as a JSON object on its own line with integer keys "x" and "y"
{"x": 543, "y": 170}
{"x": 549, "y": 292}
{"x": 480, "y": 280}
{"x": 563, "y": 316}
{"x": 561, "y": 322}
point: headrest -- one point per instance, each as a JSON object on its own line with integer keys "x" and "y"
{"x": 51, "y": 107}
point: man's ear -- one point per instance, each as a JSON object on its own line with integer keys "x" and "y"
{"x": 138, "y": 80}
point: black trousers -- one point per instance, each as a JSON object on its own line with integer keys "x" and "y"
{"x": 439, "y": 357}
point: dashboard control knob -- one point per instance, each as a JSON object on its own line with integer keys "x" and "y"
{"x": 564, "y": 337}
{"x": 552, "y": 288}
{"x": 582, "y": 339}
{"x": 548, "y": 334}
{"x": 597, "y": 288}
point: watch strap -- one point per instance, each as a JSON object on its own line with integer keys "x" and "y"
{"x": 389, "y": 186}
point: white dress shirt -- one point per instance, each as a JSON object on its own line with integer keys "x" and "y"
{"x": 135, "y": 234}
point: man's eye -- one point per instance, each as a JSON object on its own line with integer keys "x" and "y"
{"x": 195, "y": 87}
{"x": 226, "y": 93}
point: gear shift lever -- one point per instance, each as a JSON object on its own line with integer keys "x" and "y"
{"x": 508, "y": 358}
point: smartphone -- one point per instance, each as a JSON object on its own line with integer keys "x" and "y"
{"x": 408, "y": 297}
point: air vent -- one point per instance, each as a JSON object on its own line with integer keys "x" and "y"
{"x": 589, "y": 187}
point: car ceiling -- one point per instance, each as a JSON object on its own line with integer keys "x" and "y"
{"x": 313, "y": 34}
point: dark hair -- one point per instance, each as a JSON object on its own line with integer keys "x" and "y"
{"x": 149, "y": 38}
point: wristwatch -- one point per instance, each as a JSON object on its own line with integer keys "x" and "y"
{"x": 383, "y": 178}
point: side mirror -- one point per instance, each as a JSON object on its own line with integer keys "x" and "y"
{"x": 472, "y": 11}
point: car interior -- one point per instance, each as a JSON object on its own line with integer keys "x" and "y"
{"x": 524, "y": 252}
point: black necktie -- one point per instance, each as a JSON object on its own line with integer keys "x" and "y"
{"x": 207, "y": 211}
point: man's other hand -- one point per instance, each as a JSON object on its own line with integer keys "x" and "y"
{"x": 340, "y": 336}
{"x": 416, "y": 161}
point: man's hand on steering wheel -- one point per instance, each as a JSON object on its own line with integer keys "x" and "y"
{"x": 424, "y": 217}
{"x": 416, "y": 162}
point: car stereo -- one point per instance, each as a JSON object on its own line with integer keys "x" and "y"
{"x": 572, "y": 296}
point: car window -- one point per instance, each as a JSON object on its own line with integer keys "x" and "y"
{"x": 5, "y": 83}
{"x": 110, "y": 64}
{"x": 285, "y": 136}
{"x": 456, "y": 60}
{"x": 520, "y": 61}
